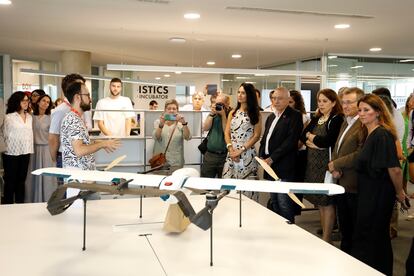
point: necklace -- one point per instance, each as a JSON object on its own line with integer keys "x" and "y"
{"x": 322, "y": 120}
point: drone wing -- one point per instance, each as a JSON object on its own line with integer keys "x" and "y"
{"x": 263, "y": 186}
{"x": 103, "y": 177}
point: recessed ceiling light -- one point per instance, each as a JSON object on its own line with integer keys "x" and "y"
{"x": 236, "y": 56}
{"x": 260, "y": 75}
{"x": 375, "y": 49}
{"x": 211, "y": 63}
{"x": 332, "y": 65}
{"x": 412, "y": 69}
{"x": 167, "y": 75}
{"x": 357, "y": 66}
{"x": 158, "y": 78}
{"x": 177, "y": 39}
{"x": 178, "y": 72}
{"x": 342, "y": 26}
{"x": 192, "y": 15}
{"x": 332, "y": 57}
{"x": 407, "y": 60}
{"x": 242, "y": 78}
{"x": 231, "y": 80}
{"x": 5, "y": 2}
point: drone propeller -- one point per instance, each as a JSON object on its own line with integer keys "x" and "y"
{"x": 115, "y": 162}
{"x": 272, "y": 173}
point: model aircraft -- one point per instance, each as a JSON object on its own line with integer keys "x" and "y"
{"x": 165, "y": 186}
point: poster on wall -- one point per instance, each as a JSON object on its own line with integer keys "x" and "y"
{"x": 144, "y": 94}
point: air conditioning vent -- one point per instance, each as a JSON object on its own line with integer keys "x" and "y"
{"x": 298, "y": 12}
{"x": 155, "y": 1}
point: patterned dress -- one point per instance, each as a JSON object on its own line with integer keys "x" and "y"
{"x": 241, "y": 130}
{"x": 316, "y": 167}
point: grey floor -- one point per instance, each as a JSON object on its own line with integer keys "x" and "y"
{"x": 309, "y": 220}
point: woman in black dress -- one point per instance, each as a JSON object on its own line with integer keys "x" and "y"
{"x": 379, "y": 184}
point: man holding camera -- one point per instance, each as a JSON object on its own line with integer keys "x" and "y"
{"x": 215, "y": 123}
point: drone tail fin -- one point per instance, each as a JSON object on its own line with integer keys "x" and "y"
{"x": 57, "y": 203}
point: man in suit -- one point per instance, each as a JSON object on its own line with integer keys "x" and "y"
{"x": 342, "y": 165}
{"x": 279, "y": 146}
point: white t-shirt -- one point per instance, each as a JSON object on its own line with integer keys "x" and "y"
{"x": 189, "y": 107}
{"x": 56, "y": 119}
{"x": 114, "y": 121}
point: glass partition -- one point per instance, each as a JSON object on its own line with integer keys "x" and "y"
{"x": 367, "y": 73}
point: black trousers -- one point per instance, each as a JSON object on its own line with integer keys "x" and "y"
{"x": 15, "y": 171}
{"x": 347, "y": 209}
{"x": 409, "y": 265}
{"x": 213, "y": 164}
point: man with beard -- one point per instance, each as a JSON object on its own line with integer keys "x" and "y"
{"x": 114, "y": 123}
{"x": 77, "y": 149}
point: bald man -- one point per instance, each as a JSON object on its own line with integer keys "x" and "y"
{"x": 279, "y": 147}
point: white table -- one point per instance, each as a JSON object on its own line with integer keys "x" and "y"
{"x": 35, "y": 243}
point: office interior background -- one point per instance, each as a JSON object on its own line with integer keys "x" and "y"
{"x": 193, "y": 43}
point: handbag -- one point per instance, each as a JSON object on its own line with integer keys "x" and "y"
{"x": 328, "y": 175}
{"x": 203, "y": 145}
{"x": 160, "y": 159}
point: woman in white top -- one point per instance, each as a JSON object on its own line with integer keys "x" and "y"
{"x": 18, "y": 136}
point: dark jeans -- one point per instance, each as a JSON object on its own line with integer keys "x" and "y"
{"x": 282, "y": 205}
{"x": 59, "y": 164}
{"x": 15, "y": 172}
{"x": 213, "y": 164}
{"x": 347, "y": 204}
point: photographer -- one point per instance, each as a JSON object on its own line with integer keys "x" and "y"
{"x": 171, "y": 127}
{"x": 215, "y": 123}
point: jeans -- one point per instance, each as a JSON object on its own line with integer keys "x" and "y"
{"x": 59, "y": 164}
{"x": 282, "y": 205}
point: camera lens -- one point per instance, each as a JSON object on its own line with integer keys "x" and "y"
{"x": 219, "y": 107}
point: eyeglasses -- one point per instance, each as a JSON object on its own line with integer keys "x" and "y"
{"x": 348, "y": 102}
{"x": 85, "y": 94}
{"x": 277, "y": 98}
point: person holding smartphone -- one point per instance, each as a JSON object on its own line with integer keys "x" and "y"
{"x": 171, "y": 125}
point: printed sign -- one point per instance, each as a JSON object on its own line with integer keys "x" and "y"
{"x": 144, "y": 94}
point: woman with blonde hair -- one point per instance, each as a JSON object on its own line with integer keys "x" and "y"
{"x": 171, "y": 130}
{"x": 379, "y": 185}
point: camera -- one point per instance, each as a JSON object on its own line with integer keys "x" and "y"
{"x": 170, "y": 117}
{"x": 219, "y": 107}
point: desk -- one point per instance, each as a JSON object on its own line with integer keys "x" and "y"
{"x": 35, "y": 243}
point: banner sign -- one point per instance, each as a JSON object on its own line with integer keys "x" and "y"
{"x": 143, "y": 94}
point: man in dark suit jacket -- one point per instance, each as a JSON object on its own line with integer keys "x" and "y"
{"x": 279, "y": 146}
{"x": 342, "y": 165}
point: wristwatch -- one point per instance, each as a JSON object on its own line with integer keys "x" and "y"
{"x": 184, "y": 124}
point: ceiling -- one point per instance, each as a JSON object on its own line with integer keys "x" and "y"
{"x": 138, "y": 31}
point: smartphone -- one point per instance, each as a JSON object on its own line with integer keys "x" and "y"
{"x": 170, "y": 117}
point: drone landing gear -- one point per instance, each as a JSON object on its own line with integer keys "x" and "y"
{"x": 84, "y": 224}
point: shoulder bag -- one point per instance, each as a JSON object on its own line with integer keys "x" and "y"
{"x": 160, "y": 159}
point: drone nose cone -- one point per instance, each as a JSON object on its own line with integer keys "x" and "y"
{"x": 187, "y": 172}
